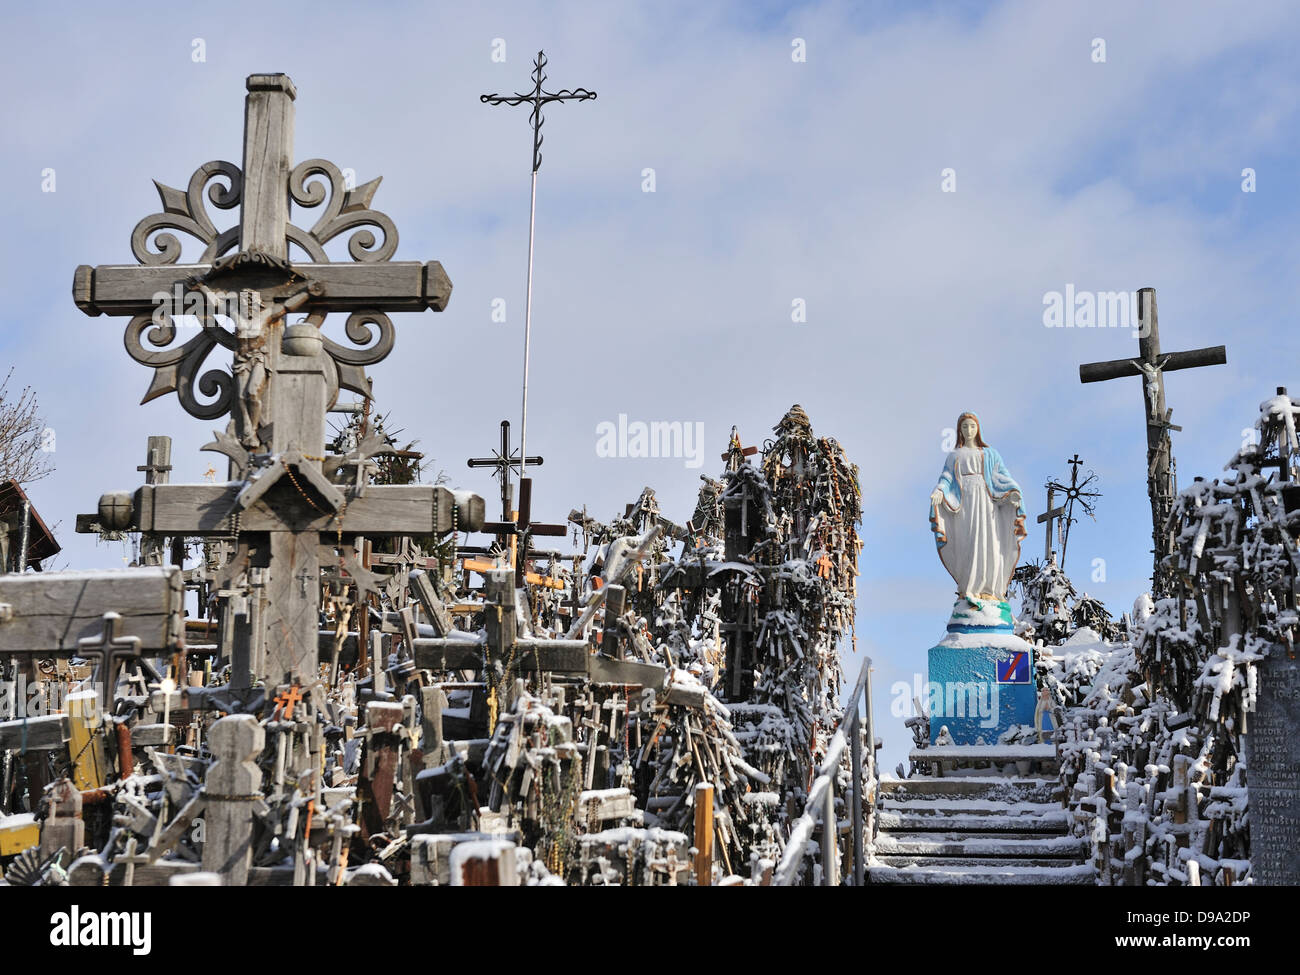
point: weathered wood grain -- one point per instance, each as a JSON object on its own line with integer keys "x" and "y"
{"x": 51, "y": 611}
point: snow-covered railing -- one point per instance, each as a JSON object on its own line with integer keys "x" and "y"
{"x": 821, "y": 797}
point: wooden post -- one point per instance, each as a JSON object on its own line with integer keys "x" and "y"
{"x": 855, "y": 794}
{"x": 231, "y": 789}
{"x": 86, "y": 741}
{"x": 63, "y": 828}
{"x": 830, "y": 827}
{"x": 704, "y": 834}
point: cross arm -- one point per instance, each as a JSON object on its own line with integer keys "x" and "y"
{"x": 1094, "y": 372}
{"x": 129, "y": 289}
{"x": 386, "y": 509}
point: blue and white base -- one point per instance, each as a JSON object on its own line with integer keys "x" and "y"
{"x": 981, "y": 679}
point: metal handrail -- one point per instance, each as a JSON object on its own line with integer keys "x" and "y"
{"x": 821, "y": 797}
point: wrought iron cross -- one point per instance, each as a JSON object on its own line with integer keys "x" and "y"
{"x": 537, "y": 98}
{"x": 1076, "y": 490}
{"x": 505, "y": 460}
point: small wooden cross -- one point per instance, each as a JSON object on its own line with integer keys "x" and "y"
{"x": 287, "y": 699}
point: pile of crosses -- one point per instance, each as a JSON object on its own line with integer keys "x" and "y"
{"x": 1173, "y": 758}
{"x": 362, "y": 698}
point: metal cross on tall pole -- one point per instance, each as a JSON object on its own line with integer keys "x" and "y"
{"x": 536, "y": 98}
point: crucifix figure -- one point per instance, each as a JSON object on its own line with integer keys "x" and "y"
{"x": 1152, "y": 365}
{"x": 285, "y": 505}
{"x": 535, "y": 98}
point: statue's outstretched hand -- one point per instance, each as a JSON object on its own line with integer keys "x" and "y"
{"x": 1020, "y": 527}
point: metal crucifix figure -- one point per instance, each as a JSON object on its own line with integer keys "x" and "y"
{"x": 536, "y": 98}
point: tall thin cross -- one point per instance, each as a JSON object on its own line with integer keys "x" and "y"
{"x": 536, "y": 98}
{"x": 1151, "y": 364}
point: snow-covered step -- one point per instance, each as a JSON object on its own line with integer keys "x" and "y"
{"x": 982, "y": 786}
{"x": 984, "y": 753}
{"x": 1072, "y": 875}
{"x": 943, "y": 806}
{"x": 958, "y": 844}
{"x": 909, "y": 819}
{"x": 900, "y": 860}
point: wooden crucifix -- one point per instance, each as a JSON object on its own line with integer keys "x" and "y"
{"x": 1151, "y": 364}
{"x": 286, "y": 505}
{"x": 1049, "y": 516}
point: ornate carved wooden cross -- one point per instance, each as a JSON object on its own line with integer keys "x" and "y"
{"x": 1151, "y": 364}
{"x": 286, "y": 504}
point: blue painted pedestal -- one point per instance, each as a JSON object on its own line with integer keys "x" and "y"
{"x": 981, "y": 677}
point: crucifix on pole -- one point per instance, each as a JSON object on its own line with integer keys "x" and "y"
{"x": 516, "y": 523}
{"x": 536, "y": 98}
{"x": 1151, "y": 364}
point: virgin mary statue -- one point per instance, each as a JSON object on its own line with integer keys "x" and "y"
{"x": 977, "y": 515}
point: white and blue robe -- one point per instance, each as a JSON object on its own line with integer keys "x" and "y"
{"x": 974, "y": 523}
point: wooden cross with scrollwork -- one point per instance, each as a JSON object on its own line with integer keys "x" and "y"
{"x": 287, "y": 505}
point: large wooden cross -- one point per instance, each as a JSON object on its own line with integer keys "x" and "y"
{"x": 1152, "y": 364}
{"x": 286, "y": 505}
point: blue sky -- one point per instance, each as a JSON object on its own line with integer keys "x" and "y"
{"x": 775, "y": 180}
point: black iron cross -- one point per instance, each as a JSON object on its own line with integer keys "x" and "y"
{"x": 505, "y": 460}
{"x": 1076, "y": 490}
{"x": 537, "y": 98}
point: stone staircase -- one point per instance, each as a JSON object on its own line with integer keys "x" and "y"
{"x": 987, "y": 814}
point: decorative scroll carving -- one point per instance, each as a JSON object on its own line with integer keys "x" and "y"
{"x": 345, "y": 210}
{"x": 179, "y": 369}
{"x": 351, "y": 363}
{"x": 185, "y": 211}
{"x": 176, "y": 369}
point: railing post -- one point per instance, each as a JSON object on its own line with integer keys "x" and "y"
{"x": 830, "y": 875}
{"x": 855, "y": 753}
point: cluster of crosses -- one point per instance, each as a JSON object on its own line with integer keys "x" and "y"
{"x": 290, "y": 516}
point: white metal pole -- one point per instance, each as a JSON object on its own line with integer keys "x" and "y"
{"x": 528, "y": 328}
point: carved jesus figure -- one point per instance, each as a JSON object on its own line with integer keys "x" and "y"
{"x": 977, "y": 515}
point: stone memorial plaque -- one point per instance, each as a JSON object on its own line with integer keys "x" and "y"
{"x": 1274, "y": 772}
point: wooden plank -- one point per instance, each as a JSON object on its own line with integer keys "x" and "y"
{"x": 1095, "y": 372}
{"x": 51, "y": 611}
{"x": 35, "y": 734}
{"x": 605, "y": 670}
{"x": 268, "y": 158}
{"x": 206, "y": 509}
{"x": 390, "y": 286}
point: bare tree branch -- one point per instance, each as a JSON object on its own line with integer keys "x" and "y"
{"x": 26, "y": 444}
